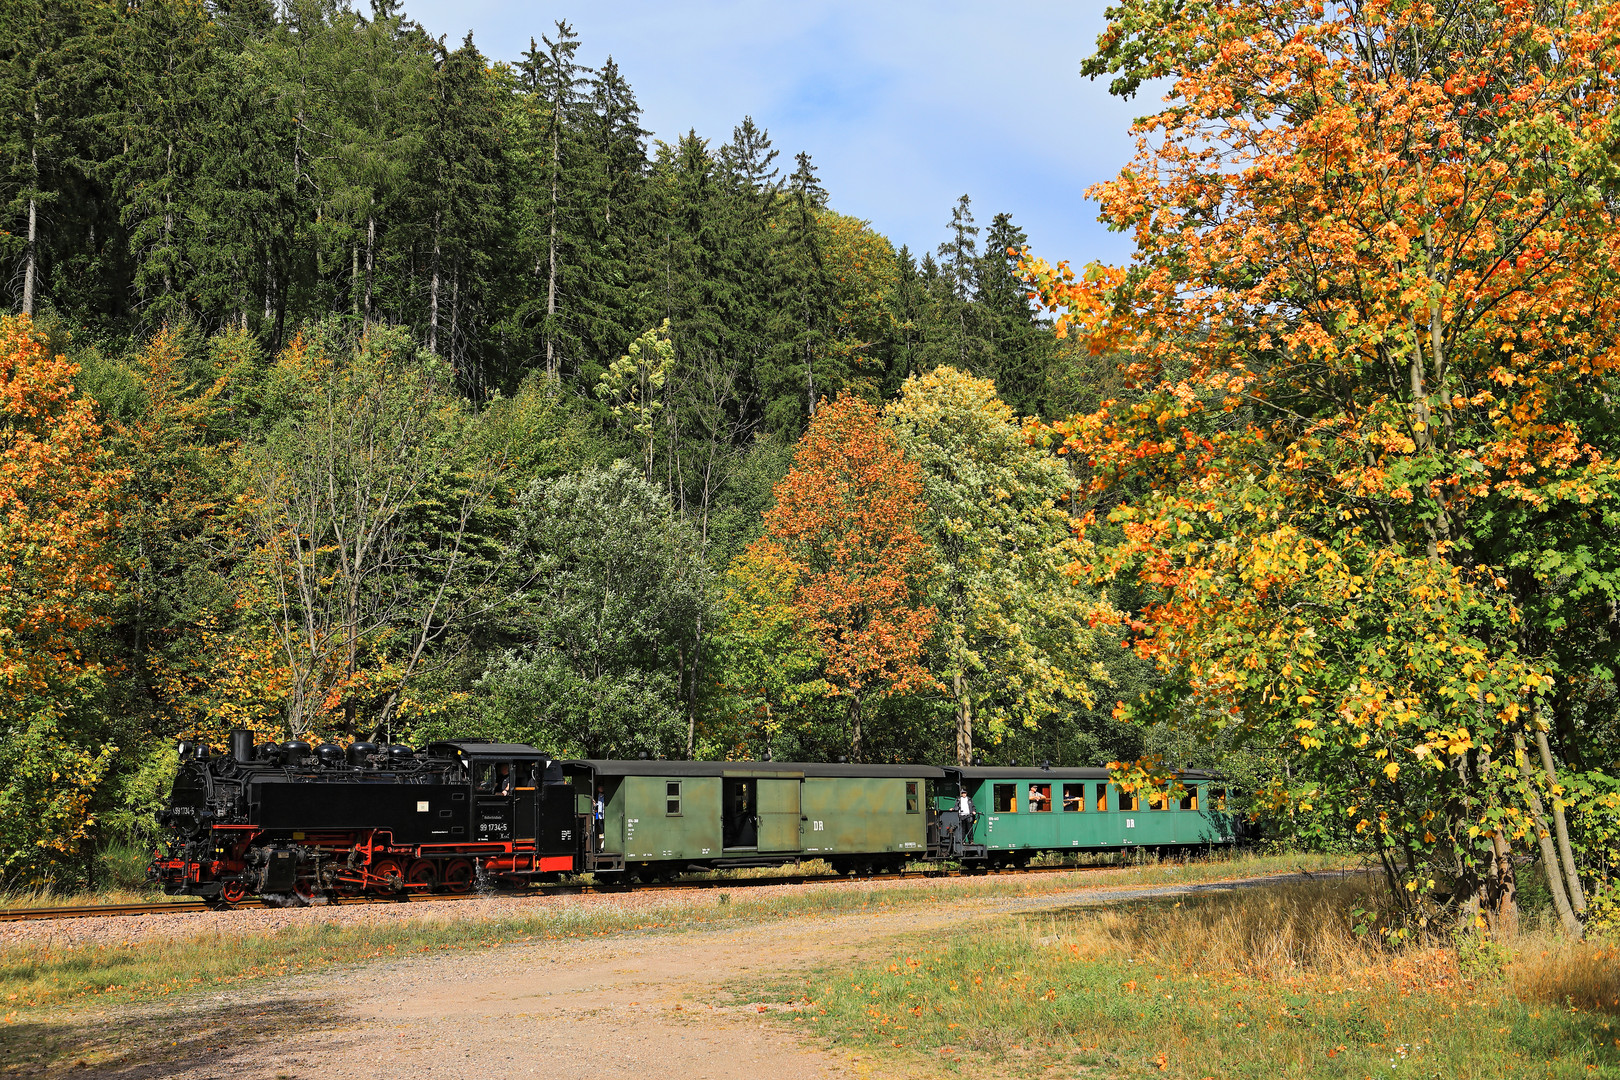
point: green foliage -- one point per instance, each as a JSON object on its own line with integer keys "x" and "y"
{"x": 51, "y": 765}
{"x": 1015, "y": 628}
{"x": 610, "y": 594}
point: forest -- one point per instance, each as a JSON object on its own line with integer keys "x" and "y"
{"x": 395, "y": 390}
{"x": 357, "y": 384}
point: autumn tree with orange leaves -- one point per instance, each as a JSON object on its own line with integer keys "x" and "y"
{"x": 843, "y": 541}
{"x": 56, "y": 571}
{"x": 1367, "y": 487}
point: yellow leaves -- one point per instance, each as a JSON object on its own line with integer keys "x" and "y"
{"x": 1392, "y": 770}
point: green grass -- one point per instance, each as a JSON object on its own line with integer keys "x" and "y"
{"x": 34, "y": 977}
{"x": 1266, "y": 983}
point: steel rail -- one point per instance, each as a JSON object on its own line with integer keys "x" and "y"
{"x": 561, "y": 889}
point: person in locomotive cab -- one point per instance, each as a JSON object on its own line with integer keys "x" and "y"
{"x": 503, "y": 779}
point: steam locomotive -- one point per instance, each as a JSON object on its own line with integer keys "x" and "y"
{"x": 293, "y": 824}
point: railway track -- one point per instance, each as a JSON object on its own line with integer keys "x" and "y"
{"x": 182, "y": 906}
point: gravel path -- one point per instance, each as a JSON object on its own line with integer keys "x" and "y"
{"x": 139, "y": 929}
{"x": 632, "y": 1006}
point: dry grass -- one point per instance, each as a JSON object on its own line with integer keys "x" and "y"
{"x": 48, "y": 897}
{"x": 1259, "y": 983}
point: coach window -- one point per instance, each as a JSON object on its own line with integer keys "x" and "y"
{"x": 1217, "y": 798}
{"x": 1040, "y": 798}
{"x": 1074, "y": 798}
{"x": 1125, "y": 799}
{"x": 1102, "y": 798}
{"x": 672, "y": 798}
{"x": 911, "y": 797}
{"x": 1189, "y": 798}
{"x": 1158, "y": 800}
{"x": 1006, "y": 798}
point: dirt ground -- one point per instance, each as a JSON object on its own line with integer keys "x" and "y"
{"x": 635, "y": 1006}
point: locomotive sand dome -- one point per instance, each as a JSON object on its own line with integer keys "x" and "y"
{"x": 293, "y": 823}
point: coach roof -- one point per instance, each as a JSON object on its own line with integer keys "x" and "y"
{"x": 762, "y": 769}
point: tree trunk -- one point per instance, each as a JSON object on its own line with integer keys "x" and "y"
{"x": 354, "y": 278}
{"x": 1549, "y": 856}
{"x": 168, "y": 221}
{"x": 856, "y": 742}
{"x": 964, "y": 720}
{"x": 551, "y": 259}
{"x": 455, "y": 301}
{"x": 371, "y": 248}
{"x": 30, "y": 259}
{"x": 433, "y": 291}
{"x": 1502, "y": 888}
{"x": 691, "y": 691}
{"x": 1577, "y": 898}
{"x": 31, "y": 252}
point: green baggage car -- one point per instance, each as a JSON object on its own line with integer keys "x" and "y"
{"x": 666, "y": 817}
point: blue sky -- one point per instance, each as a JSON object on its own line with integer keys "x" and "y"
{"x": 902, "y": 106}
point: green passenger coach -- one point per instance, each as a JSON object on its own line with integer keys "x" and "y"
{"x": 1020, "y": 813}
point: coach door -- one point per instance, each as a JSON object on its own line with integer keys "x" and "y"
{"x": 778, "y": 814}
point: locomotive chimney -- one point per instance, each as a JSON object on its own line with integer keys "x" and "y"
{"x": 242, "y": 745}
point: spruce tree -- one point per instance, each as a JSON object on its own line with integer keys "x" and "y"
{"x": 1021, "y": 347}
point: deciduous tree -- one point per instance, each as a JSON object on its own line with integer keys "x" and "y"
{"x": 1014, "y": 628}
{"x": 1373, "y": 319}
{"x": 57, "y": 492}
{"x": 846, "y": 529}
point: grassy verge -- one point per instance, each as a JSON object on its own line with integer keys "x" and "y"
{"x": 1263, "y": 983}
{"x": 34, "y": 977}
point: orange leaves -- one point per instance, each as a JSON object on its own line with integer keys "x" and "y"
{"x": 1086, "y": 303}
{"x": 844, "y": 530}
{"x": 56, "y": 498}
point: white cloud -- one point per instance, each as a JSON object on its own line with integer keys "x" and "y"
{"x": 903, "y": 106}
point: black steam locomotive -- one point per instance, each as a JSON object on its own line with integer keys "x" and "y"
{"x": 293, "y": 822}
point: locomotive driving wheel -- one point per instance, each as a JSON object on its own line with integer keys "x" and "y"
{"x": 230, "y": 894}
{"x": 424, "y": 873}
{"x": 389, "y": 874}
{"x": 458, "y": 876}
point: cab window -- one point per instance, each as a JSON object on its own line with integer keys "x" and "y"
{"x": 1074, "y": 798}
{"x": 495, "y": 778}
{"x": 1006, "y": 799}
{"x": 911, "y": 796}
